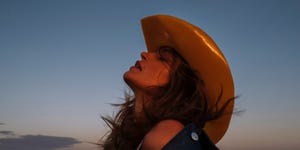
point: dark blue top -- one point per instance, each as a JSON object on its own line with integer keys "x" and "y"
{"x": 190, "y": 138}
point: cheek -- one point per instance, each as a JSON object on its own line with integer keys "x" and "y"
{"x": 163, "y": 77}
{"x": 157, "y": 74}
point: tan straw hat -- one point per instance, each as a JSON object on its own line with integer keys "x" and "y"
{"x": 203, "y": 55}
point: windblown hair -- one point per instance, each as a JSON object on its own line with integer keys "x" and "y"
{"x": 183, "y": 99}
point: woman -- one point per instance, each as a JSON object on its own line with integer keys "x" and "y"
{"x": 183, "y": 91}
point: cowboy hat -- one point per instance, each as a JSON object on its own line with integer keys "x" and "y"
{"x": 203, "y": 55}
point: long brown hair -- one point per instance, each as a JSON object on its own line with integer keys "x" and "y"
{"x": 183, "y": 99}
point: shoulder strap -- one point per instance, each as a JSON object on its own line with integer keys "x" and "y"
{"x": 191, "y": 138}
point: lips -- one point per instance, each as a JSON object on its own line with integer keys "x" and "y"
{"x": 138, "y": 65}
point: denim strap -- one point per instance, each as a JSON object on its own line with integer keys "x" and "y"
{"x": 190, "y": 138}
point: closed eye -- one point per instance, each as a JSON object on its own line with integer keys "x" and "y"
{"x": 162, "y": 58}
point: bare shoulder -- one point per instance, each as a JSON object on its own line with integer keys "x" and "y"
{"x": 161, "y": 134}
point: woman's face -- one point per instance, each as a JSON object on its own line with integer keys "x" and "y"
{"x": 152, "y": 70}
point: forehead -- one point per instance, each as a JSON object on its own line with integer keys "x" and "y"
{"x": 167, "y": 52}
{"x": 170, "y": 52}
{"x": 171, "y": 56}
{"x": 166, "y": 49}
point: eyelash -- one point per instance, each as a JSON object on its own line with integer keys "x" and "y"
{"x": 162, "y": 58}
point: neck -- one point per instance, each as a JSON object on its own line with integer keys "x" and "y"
{"x": 140, "y": 101}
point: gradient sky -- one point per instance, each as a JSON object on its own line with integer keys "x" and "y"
{"x": 62, "y": 61}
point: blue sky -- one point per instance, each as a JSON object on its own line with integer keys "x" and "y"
{"x": 62, "y": 61}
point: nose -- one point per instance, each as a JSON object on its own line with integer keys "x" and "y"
{"x": 144, "y": 55}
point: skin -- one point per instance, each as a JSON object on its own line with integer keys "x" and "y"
{"x": 161, "y": 134}
{"x": 153, "y": 70}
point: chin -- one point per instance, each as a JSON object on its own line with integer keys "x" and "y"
{"x": 128, "y": 80}
{"x": 125, "y": 77}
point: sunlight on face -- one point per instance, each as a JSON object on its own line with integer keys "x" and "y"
{"x": 152, "y": 70}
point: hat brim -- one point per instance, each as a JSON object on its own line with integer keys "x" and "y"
{"x": 203, "y": 55}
